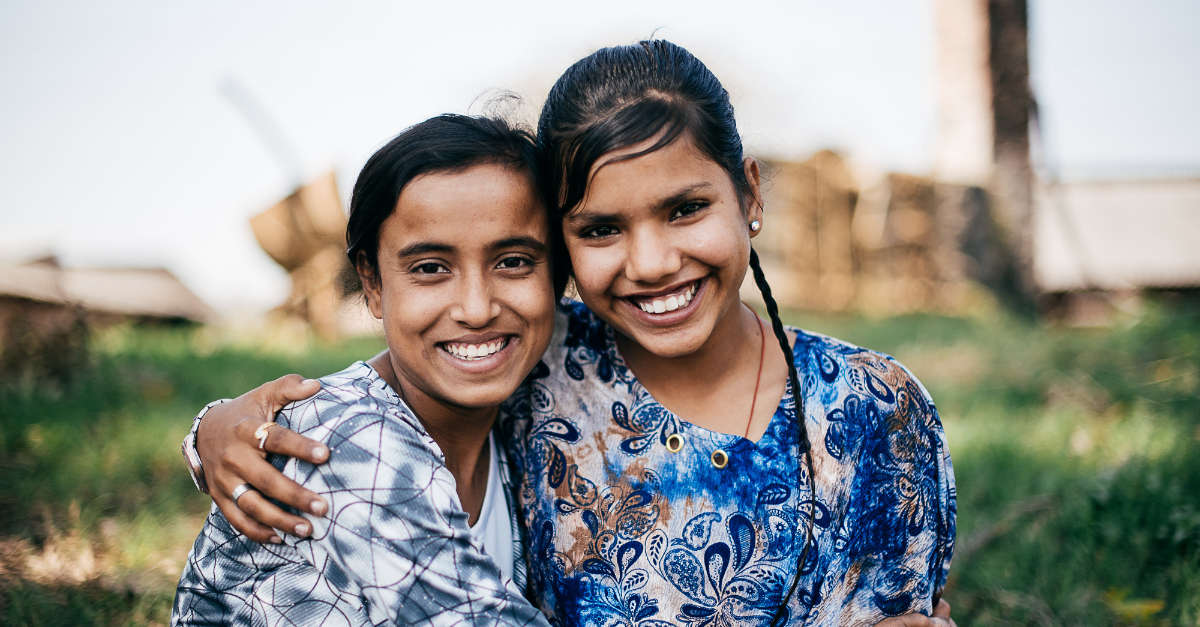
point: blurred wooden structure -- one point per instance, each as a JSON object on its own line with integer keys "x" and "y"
{"x": 806, "y": 246}
{"x": 904, "y": 243}
{"x": 46, "y": 310}
{"x": 306, "y": 234}
{"x": 900, "y": 244}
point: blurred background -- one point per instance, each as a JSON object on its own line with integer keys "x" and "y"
{"x": 1003, "y": 194}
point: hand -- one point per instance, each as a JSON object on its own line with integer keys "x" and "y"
{"x": 940, "y": 618}
{"x": 230, "y": 454}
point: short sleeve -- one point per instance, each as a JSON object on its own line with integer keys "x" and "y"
{"x": 945, "y": 508}
{"x": 903, "y": 508}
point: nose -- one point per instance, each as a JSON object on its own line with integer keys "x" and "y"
{"x": 651, "y": 256}
{"x": 475, "y": 307}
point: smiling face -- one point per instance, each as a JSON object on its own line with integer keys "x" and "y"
{"x": 463, "y": 285}
{"x": 661, "y": 243}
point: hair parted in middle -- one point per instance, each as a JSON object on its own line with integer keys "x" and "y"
{"x": 625, "y": 95}
{"x": 445, "y": 143}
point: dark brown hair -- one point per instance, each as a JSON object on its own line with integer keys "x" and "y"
{"x": 625, "y": 95}
{"x": 446, "y": 143}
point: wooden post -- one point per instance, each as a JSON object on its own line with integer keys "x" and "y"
{"x": 1012, "y": 184}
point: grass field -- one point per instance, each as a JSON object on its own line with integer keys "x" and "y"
{"x": 1077, "y": 454}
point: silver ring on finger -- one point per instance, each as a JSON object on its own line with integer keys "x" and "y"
{"x": 239, "y": 491}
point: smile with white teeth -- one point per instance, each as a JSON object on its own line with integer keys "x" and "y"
{"x": 672, "y": 302}
{"x": 473, "y": 352}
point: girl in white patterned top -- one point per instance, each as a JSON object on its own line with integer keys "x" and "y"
{"x": 450, "y": 239}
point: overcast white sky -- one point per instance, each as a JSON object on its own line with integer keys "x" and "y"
{"x": 117, "y": 148}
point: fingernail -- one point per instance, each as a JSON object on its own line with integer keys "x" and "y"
{"x": 307, "y": 381}
{"x": 302, "y": 530}
{"x": 276, "y": 540}
{"x": 319, "y": 453}
{"x": 318, "y": 507}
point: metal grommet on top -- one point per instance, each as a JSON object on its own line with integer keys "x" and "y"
{"x": 674, "y": 443}
{"x": 720, "y": 459}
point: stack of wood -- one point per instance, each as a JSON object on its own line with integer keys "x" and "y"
{"x": 902, "y": 244}
{"x": 806, "y": 246}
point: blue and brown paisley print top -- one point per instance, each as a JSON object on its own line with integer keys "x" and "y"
{"x": 623, "y": 531}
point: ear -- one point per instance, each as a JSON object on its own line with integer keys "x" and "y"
{"x": 754, "y": 177}
{"x": 368, "y": 273}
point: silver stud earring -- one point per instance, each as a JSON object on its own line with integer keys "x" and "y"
{"x": 755, "y": 226}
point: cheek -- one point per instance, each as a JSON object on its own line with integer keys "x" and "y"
{"x": 532, "y": 301}
{"x": 406, "y": 312}
{"x": 719, "y": 244}
{"x": 595, "y": 268}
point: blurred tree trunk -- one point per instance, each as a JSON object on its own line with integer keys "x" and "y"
{"x": 1008, "y": 58}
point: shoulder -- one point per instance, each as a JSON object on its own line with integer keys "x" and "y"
{"x": 580, "y": 368}
{"x": 866, "y": 399}
{"x": 357, "y": 391}
{"x": 582, "y": 349}
{"x": 829, "y": 363}
{"x": 871, "y": 416}
{"x": 356, "y": 409}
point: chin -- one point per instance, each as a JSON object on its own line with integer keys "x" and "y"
{"x": 479, "y": 396}
{"x": 673, "y": 343}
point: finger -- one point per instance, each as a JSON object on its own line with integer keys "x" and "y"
{"x": 907, "y": 620}
{"x": 274, "y": 484}
{"x": 942, "y": 610}
{"x": 286, "y": 389}
{"x": 286, "y": 442}
{"x": 244, "y": 524}
{"x": 268, "y": 480}
{"x": 257, "y": 507}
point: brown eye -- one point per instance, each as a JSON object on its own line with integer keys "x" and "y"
{"x": 430, "y": 268}
{"x": 688, "y": 209}
{"x": 598, "y": 232}
{"x": 513, "y": 263}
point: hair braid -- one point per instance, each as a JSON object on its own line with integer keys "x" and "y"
{"x": 760, "y": 279}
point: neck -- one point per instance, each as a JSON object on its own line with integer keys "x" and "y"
{"x": 713, "y": 387}
{"x": 735, "y": 339}
{"x": 461, "y": 433}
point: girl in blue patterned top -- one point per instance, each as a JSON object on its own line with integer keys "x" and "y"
{"x": 673, "y": 470}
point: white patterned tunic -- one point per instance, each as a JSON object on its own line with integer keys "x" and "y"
{"x": 395, "y": 547}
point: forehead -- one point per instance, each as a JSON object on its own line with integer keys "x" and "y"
{"x": 619, "y": 179}
{"x": 483, "y": 202}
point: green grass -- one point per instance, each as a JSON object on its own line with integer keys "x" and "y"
{"x": 1077, "y": 459}
{"x": 1077, "y": 455}
{"x": 96, "y": 511}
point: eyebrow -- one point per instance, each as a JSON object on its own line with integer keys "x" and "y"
{"x": 588, "y": 219}
{"x": 424, "y": 248}
{"x": 520, "y": 241}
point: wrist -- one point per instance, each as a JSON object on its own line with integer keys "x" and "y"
{"x": 191, "y": 455}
